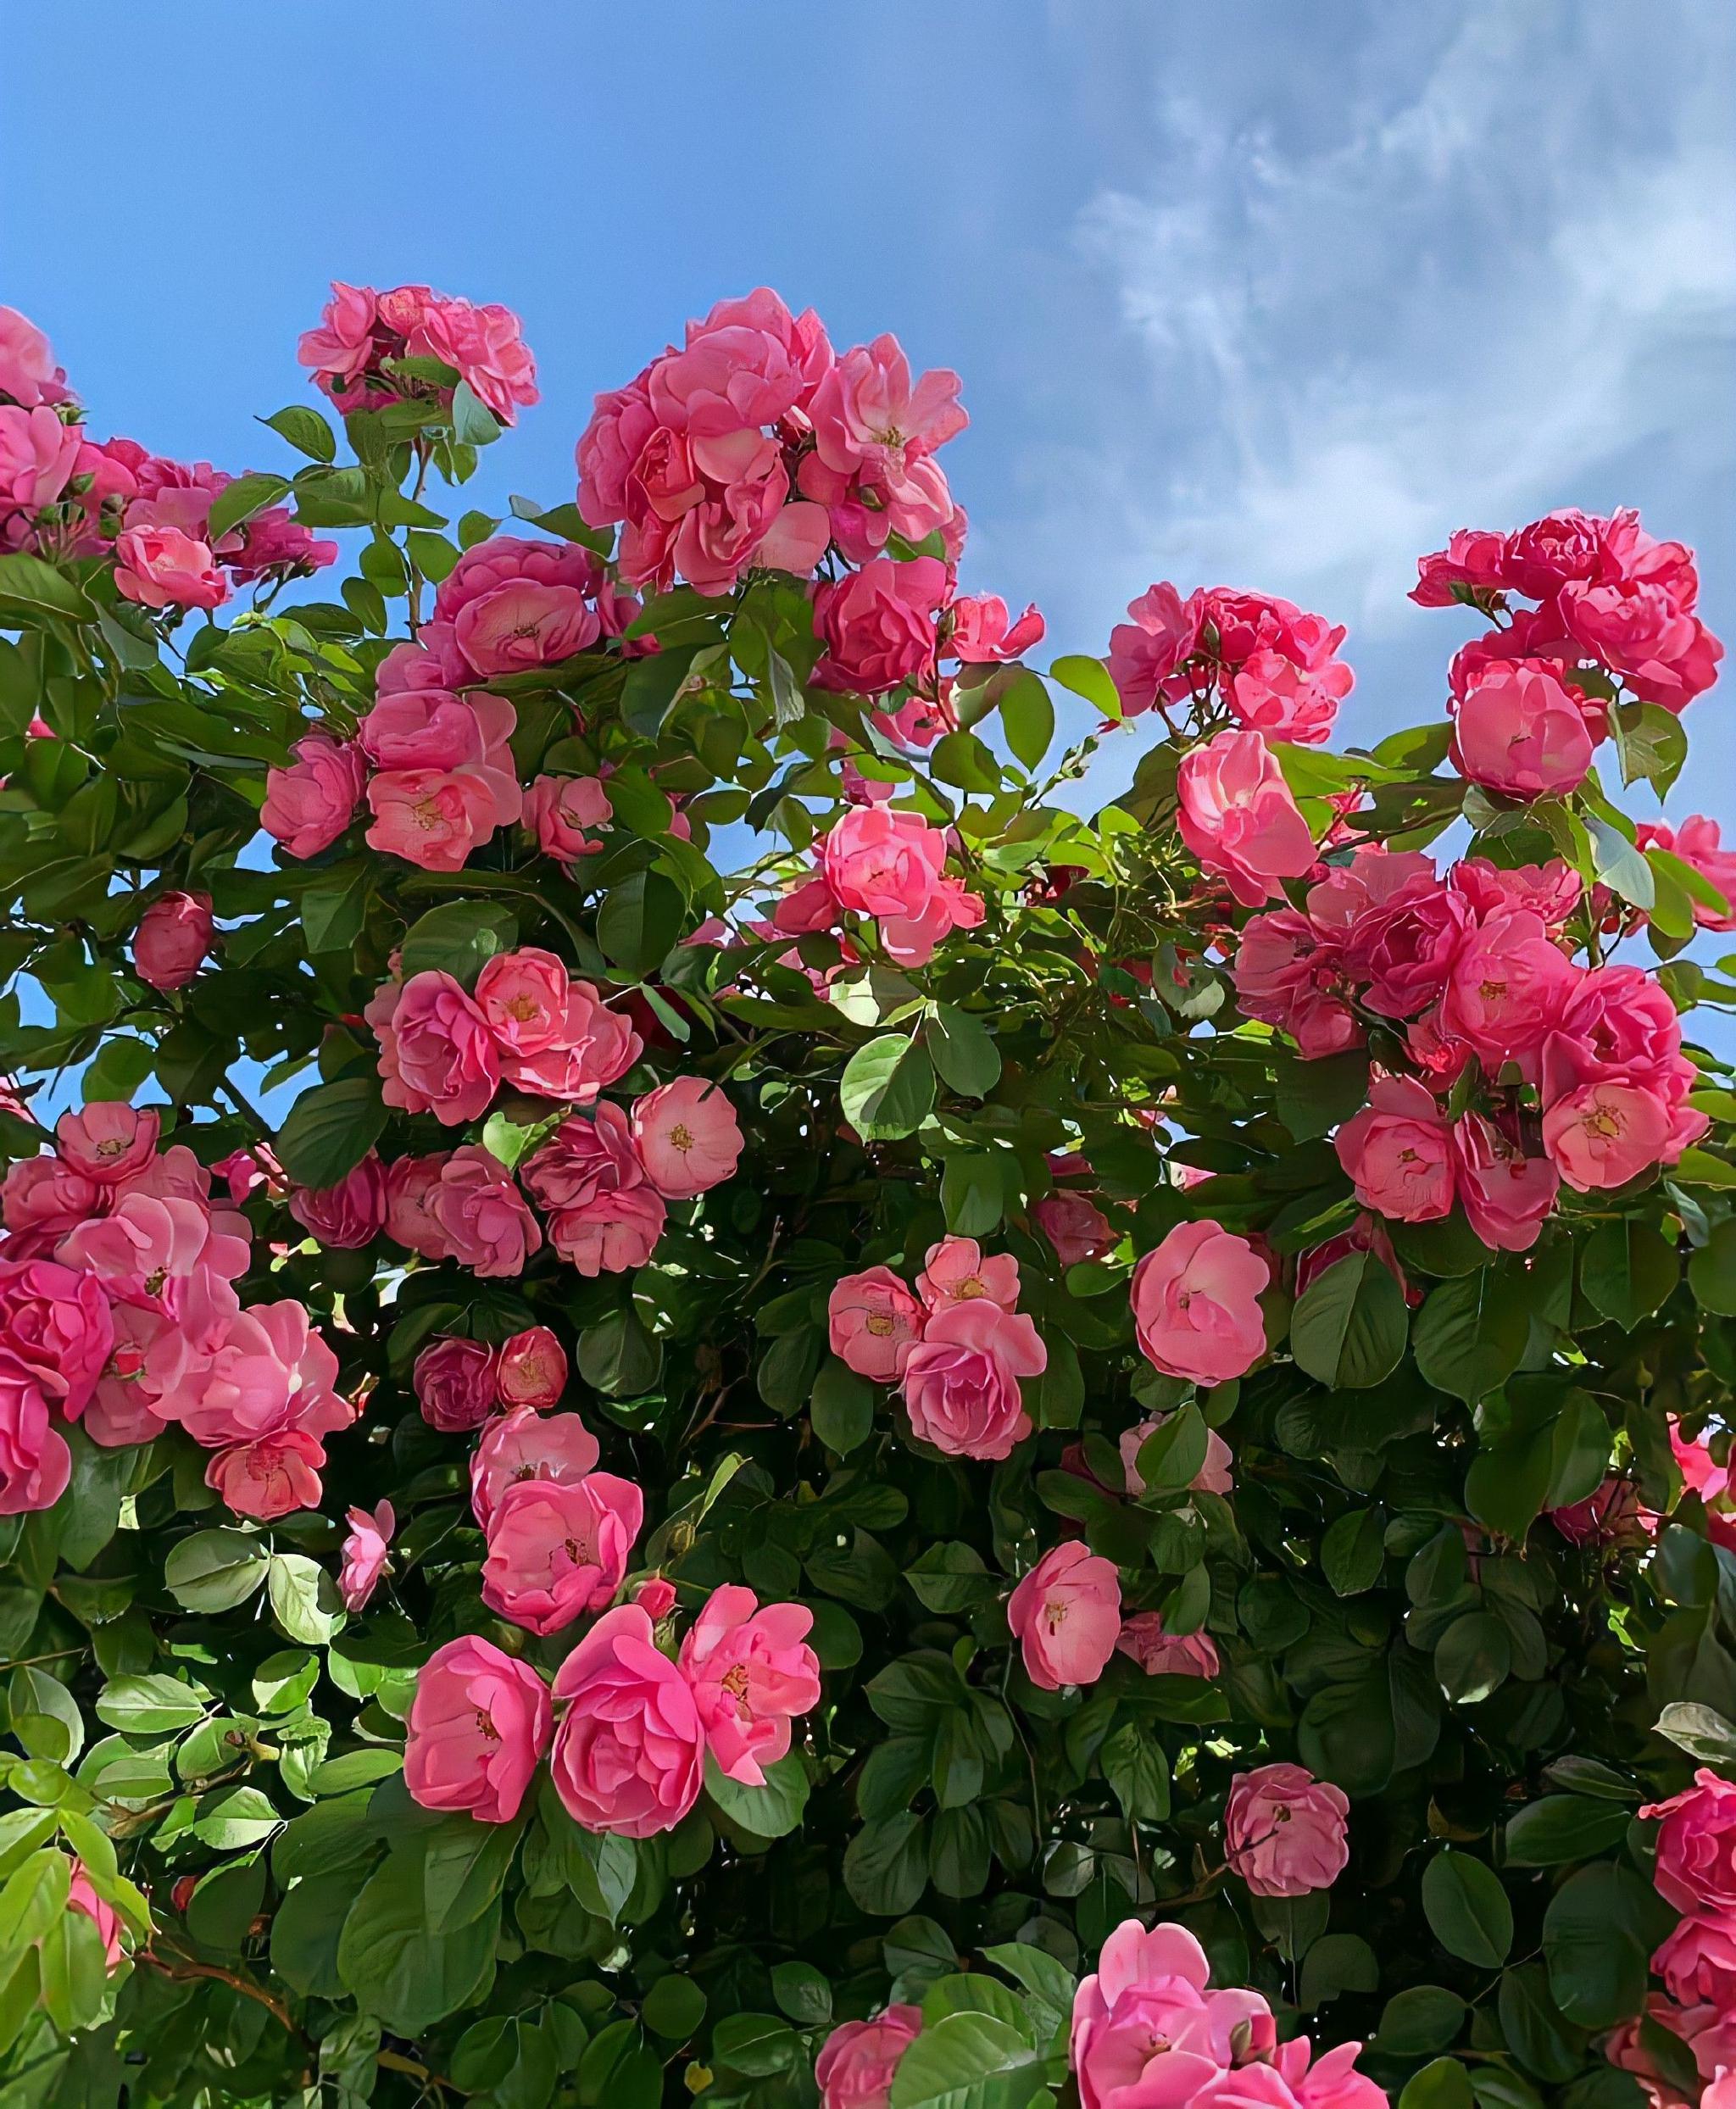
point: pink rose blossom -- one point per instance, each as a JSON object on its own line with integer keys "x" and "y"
{"x": 486, "y": 1222}
{"x": 172, "y": 940}
{"x": 656, "y": 1598}
{"x": 751, "y": 1672}
{"x": 878, "y": 624}
{"x": 1551, "y": 890}
{"x": 859, "y": 2060}
{"x": 884, "y": 863}
{"x": 1505, "y": 1194}
{"x": 56, "y": 1320}
{"x": 956, "y": 1272}
{"x": 561, "y": 811}
{"x": 1696, "y": 1846}
{"x": 513, "y": 560}
{"x": 532, "y": 1370}
{"x": 432, "y": 818}
{"x": 310, "y": 801}
{"x": 612, "y": 1234}
{"x": 108, "y": 1140}
{"x": 1196, "y": 1304}
{"x": 410, "y": 1185}
{"x": 35, "y": 1462}
{"x": 160, "y": 567}
{"x": 525, "y": 625}
{"x": 868, "y": 413}
{"x": 961, "y": 1381}
{"x": 1285, "y": 1832}
{"x": 1066, "y": 1616}
{"x": 628, "y": 1755}
{"x": 522, "y": 1445}
{"x": 270, "y": 1478}
{"x": 687, "y": 1137}
{"x": 82, "y": 1896}
{"x": 583, "y": 1159}
{"x": 1602, "y": 1134}
{"x": 983, "y": 633}
{"x": 454, "y": 1385}
{"x": 1148, "y": 652}
{"x": 39, "y": 455}
{"x": 1398, "y": 1152}
{"x": 478, "y": 1724}
{"x": 349, "y": 1215}
{"x": 1519, "y": 730}
{"x": 28, "y": 375}
{"x": 1508, "y": 987}
{"x": 1698, "y": 1963}
{"x": 1147, "y": 2031}
{"x": 364, "y": 1553}
{"x": 555, "y": 1036}
{"x": 270, "y": 1372}
{"x": 1238, "y": 817}
{"x": 436, "y": 1053}
{"x": 559, "y": 1547}
{"x": 1698, "y": 842}
{"x": 43, "y": 1198}
{"x": 1609, "y": 1516}
{"x": 873, "y": 1322}
{"x": 1074, "y": 1226}
{"x": 1278, "y": 699}
{"x": 1160, "y": 1653}
{"x": 1640, "y": 630}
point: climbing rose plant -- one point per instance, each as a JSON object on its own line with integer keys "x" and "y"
{"x": 702, "y": 1400}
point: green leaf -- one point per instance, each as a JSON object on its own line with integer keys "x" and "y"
{"x": 1353, "y": 1552}
{"x": 1170, "y": 1457}
{"x": 29, "y": 588}
{"x": 618, "y": 1357}
{"x": 150, "y": 1705}
{"x": 1711, "y": 1270}
{"x": 888, "y": 1088}
{"x": 1628, "y": 1269}
{"x": 329, "y": 1129}
{"x": 459, "y": 938}
{"x": 1027, "y": 716}
{"x": 1701, "y": 1731}
{"x": 968, "y": 2061}
{"x": 214, "y": 1571}
{"x": 1135, "y": 1767}
{"x": 45, "y": 1716}
{"x": 1419, "y": 2022}
{"x": 473, "y": 423}
{"x": 237, "y": 502}
{"x": 304, "y": 1599}
{"x": 1089, "y": 678}
{"x": 1473, "y": 1660}
{"x": 963, "y": 1051}
{"x": 769, "y": 1811}
{"x": 639, "y": 923}
{"x": 464, "y": 1868}
{"x": 235, "y": 1817}
{"x": 1563, "y": 1827}
{"x": 1350, "y": 1324}
{"x": 675, "y": 2005}
{"x": 886, "y": 1865}
{"x": 1597, "y": 1933}
{"x": 306, "y": 430}
{"x": 398, "y": 1970}
{"x": 1312, "y": 1098}
{"x": 840, "y": 1410}
{"x": 1467, "y": 1909}
{"x": 1470, "y": 1334}
{"x": 1444, "y": 2085}
{"x": 1618, "y": 863}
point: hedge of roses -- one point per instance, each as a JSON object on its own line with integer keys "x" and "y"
{"x": 857, "y": 1441}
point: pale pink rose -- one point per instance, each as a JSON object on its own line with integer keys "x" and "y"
{"x": 910, "y": 940}
{"x": 436, "y": 1053}
{"x": 28, "y": 374}
{"x": 82, "y": 1896}
{"x": 56, "y": 1320}
{"x": 1697, "y": 1961}
{"x": 556, "y": 1037}
{"x": 478, "y": 1724}
{"x": 1160, "y": 1654}
{"x": 1074, "y": 1226}
{"x": 1721, "y": 2094}
{"x": 349, "y": 1215}
{"x": 1196, "y": 1304}
{"x": 1602, "y": 1134}
{"x": 363, "y": 1555}
{"x": 1330, "y": 2081}
{"x": 532, "y": 1370}
{"x": 1618, "y": 1024}
{"x": 583, "y": 1159}
{"x": 522, "y": 1444}
{"x": 558, "y": 1547}
{"x": 859, "y": 2060}
{"x": 873, "y": 1321}
{"x": 561, "y": 811}
{"x": 310, "y": 801}
{"x": 1697, "y": 841}
{"x": 961, "y": 1380}
{"x": 270, "y": 1478}
{"x": 454, "y": 1385}
{"x": 486, "y": 1222}
{"x": 410, "y": 1185}
{"x": 432, "y": 818}
{"x": 1215, "y": 1476}
{"x": 1147, "y": 2031}
{"x": 35, "y": 1462}
{"x": 144, "y": 1249}
{"x": 269, "y": 1371}
{"x": 1286, "y": 1832}
{"x": 42, "y": 1199}
{"x": 1238, "y": 817}
{"x": 869, "y": 414}
{"x": 108, "y": 1140}
{"x": 1066, "y": 1616}
{"x": 1642, "y": 632}
{"x": 1696, "y": 1846}
{"x": 172, "y": 940}
{"x": 878, "y": 624}
{"x": 687, "y": 1137}
{"x": 1508, "y": 988}
{"x": 525, "y": 625}
{"x": 884, "y": 863}
{"x": 751, "y": 1672}
{"x": 1398, "y": 1152}
{"x": 485, "y": 343}
{"x": 1278, "y": 699}
{"x": 1506, "y": 1195}
{"x": 628, "y": 1755}
{"x": 983, "y": 632}
{"x": 956, "y": 1272}
{"x": 612, "y": 1234}
{"x": 510, "y": 560}
{"x": 160, "y": 567}
{"x": 1518, "y": 729}
{"x": 39, "y": 455}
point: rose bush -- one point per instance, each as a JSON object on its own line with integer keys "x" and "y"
{"x": 701, "y": 1400}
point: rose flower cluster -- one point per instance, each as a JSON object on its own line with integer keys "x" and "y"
{"x": 356, "y": 354}
{"x": 1258, "y": 662}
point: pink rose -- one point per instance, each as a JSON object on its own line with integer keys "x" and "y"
{"x": 1508, "y": 987}
{"x": 410, "y": 1186}
{"x": 39, "y": 455}
{"x": 583, "y": 1159}
{"x": 1286, "y": 1832}
{"x": 751, "y": 1672}
{"x": 685, "y": 1136}
{"x": 454, "y": 1385}
{"x": 1602, "y": 1134}
{"x": 1147, "y": 2031}
{"x": 884, "y": 863}
{"x": 1551, "y": 890}
{"x": 269, "y": 1372}
{"x": 1066, "y": 1616}
{"x": 1643, "y": 633}
{"x": 160, "y": 567}
{"x": 56, "y": 1320}
{"x": 1520, "y": 730}
{"x": 28, "y": 374}
{"x": 270, "y": 1478}
{"x": 310, "y": 801}
{"x": 561, "y": 811}
{"x": 436, "y": 1053}
{"x": 1074, "y": 1226}
{"x": 983, "y": 632}
{"x": 910, "y": 941}
{"x": 43, "y": 1198}
{"x": 611, "y": 1234}
{"x": 1278, "y": 699}
{"x": 961, "y": 1380}
{"x": 1160, "y": 1654}
{"x": 628, "y": 1755}
{"x": 1505, "y": 1194}
{"x": 1698, "y": 842}
{"x": 868, "y": 413}
{"x": 108, "y": 1140}
{"x": 364, "y": 1553}
{"x": 486, "y": 1222}
{"x": 857, "y": 2060}
{"x": 485, "y": 342}
{"x": 35, "y": 1462}
{"x": 1290, "y": 974}
{"x": 956, "y": 1272}
{"x": 432, "y": 818}
{"x": 532, "y": 1370}
{"x": 1147, "y": 654}
{"x": 478, "y": 1724}
{"x": 349, "y": 1215}
{"x": 872, "y": 1322}
{"x": 1215, "y": 1476}
{"x": 82, "y": 1896}
{"x": 1398, "y": 1152}
{"x": 525, "y": 625}
{"x": 1238, "y": 817}
{"x": 1609, "y": 1516}
{"x": 555, "y": 1036}
{"x": 1698, "y": 1963}
{"x": 1196, "y": 1304}
{"x": 656, "y": 1598}
{"x": 1696, "y": 1846}
{"x": 522, "y": 1445}
{"x": 878, "y": 624}
{"x": 509, "y": 560}
{"x": 1473, "y": 562}
{"x": 558, "y": 1547}
{"x": 172, "y": 940}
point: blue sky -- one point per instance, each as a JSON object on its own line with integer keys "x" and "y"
{"x": 1261, "y": 294}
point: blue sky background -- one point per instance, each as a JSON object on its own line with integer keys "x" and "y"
{"x": 1261, "y": 294}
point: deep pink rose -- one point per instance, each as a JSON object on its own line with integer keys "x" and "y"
{"x": 454, "y": 1385}
{"x": 961, "y": 1380}
{"x": 1286, "y": 1832}
{"x": 1508, "y": 988}
{"x": 555, "y": 1036}
{"x": 873, "y": 1321}
{"x": 363, "y": 1555}
{"x": 510, "y": 559}
{"x": 561, "y": 811}
{"x": 1696, "y": 1844}
{"x": 1474, "y": 562}
{"x": 559, "y": 1547}
{"x": 310, "y": 801}
{"x": 1506, "y": 1195}
{"x": 478, "y": 1724}
{"x": 532, "y": 1370}
{"x": 349, "y": 1215}
{"x": 39, "y": 455}
{"x": 1609, "y": 1516}
{"x": 984, "y": 633}
{"x": 1237, "y": 815}
{"x": 1074, "y": 1225}
{"x": 869, "y": 412}
{"x": 1551, "y": 890}
{"x": 486, "y": 1222}
{"x": 525, "y": 625}
{"x": 884, "y": 863}
{"x": 436, "y": 1053}
{"x": 485, "y": 342}
{"x": 172, "y": 940}
{"x": 1642, "y": 632}
{"x": 56, "y": 1320}
{"x": 584, "y": 1159}
{"x": 1280, "y": 700}
{"x": 859, "y": 2060}
{"x": 656, "y": 1598}
{"x": 956, "y": 1272}
{"x": 612, "y": 1234}
{"x": 523, "y": 1444}
{"x": 269, "y": 1372}
{"x": 1698, "y": 842}
{"x": 1196, "y": 1304}
{"x": 1066, "y": 1616}
{"x": 161, "y": 567}
{"x": 1148, "y": 652}
{"x": 1697, "y": 1961}
{"x": 272, "y": 1477}
{"x": 878, "y": 624}
{"x": 628, "y": 1755}
{"x": 685, "y": 1136}
{"x": 1291, "y": 975}
{"x": 1160, "y": 1653}
{"x": 752, "y": 1671}
{"x": 410, "y": 1185}
{"x": 1520, "y": 730}
{"x": 35, "y": 1462}
{"x": 1399, "y": 1152}
{"x": 28, "y": 375}
{"x": 108, "y": 1140}
{"x": 1147, "y": 2031}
